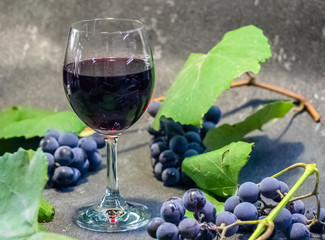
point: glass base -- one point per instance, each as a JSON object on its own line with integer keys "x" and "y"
{"x": 102, "y": 219}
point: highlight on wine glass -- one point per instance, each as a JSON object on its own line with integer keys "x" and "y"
{"x": 108, "y": 78}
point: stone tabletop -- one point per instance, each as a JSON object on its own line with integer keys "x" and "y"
{"x": 32, "y": 42}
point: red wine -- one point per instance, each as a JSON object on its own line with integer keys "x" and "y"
{"x": 109, "y": 94}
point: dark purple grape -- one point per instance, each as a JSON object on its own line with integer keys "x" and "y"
{"x": 157, "y": 148}
{"x": 193, "y": 137}
{"x": 213, "y": 115}
{"x": 68, "y": 139}
{"x": 297, "y": 217}
{"x": 172, "y": 211}
{"x": 227, "y": 218}
{"x": 196, "y": 146}
{"x": 284, "y": 189}
{"x": 50, "y": 161}
{"x": 206, "y": 126}
{"x": 246, "y": 211}
{"x": 158, "y": 171}
{"x": 63, "y": 176}
{"x": 79, "y": 158}
{"x": 53, "y": 133}
{"x": 194, "y": 200}
{"x": 171, "y": 128}
{"x": 189, "y": 228}
{"x": 178, "y": 144}
{"x": 207, "y": 214}
{"x": 248, "y": 192}
{"x": 191, "y": 128}
{"x": 63, "y": 155}
{"x": 95, "y": 161}
{"x": 89, "y": 145}
{"x": 153, "y": 226}
{"x": 168, "y": 158}
{"x": 231, "y": 203}
{"x": 170, "y": 176}
{"x": 283, "y": 220}
{"x": 190, "y": 153}
{"x": 49, "y": 144}
{"x": 296, "y": 207}
{"x": 85, "y": 167}
{"x": 167, "y": 231}
{"x": 298, "y": 231}
{"x": 76, "y": 176}
{"x": 99, "y": 139}
{"x": 269, "y": 187}
{"x": 153, "y": 108}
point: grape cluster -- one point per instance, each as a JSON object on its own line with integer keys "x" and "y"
{"x": 174, "y": 142}
{"x": 174, "y": 225}
{"x": 69, "y": 157}
{"x": 253, "y": 202}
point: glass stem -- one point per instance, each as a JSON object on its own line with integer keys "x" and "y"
{"x": 112, "y": 198}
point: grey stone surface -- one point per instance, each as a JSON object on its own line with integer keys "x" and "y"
{"x": 33, "y": 35}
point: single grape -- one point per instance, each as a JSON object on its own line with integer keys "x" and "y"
{"x": 172, "y": 211}
{"x": 187, "y": 180}
{"x": 50, "y": 161}
{"x": 283, "y": 220}
{"x": 89, "y": 145}
{"x": 63, "y": 176}
{"x": 316, "y": 227}
{"x": 193, "y": 137}
{"x": 99, "y": 139}
{"x": 190, "y": 153}
{"x": 284, "y": 189}
{"x": 227, "y": 218}
{"x": 194, "y": 200}
{"x": 53, "y": 133}
{"x": 178, "y": 144}
{"x": 196, "y": 146}
{"x": 248, "y": 192}
{"x": 95, "y": 161}
{"x": 153, "y": 108}
{"x": 231, "y": 203}
{"x": 170, "y": 176}
{"x": 49, "y": 144}
{"x": 76, "y": 176}
{"x": 207, "y": 214}
{"x": 167, "y": 231}
{"x": 213, "y": 115}
{"x": 299, "y": 231}
{"x": 297, "y": 217}
{"x": 153, "y": 226}
{"x": 68, "y": 139}
{"x": 158, "y": 171}
{"x": 206, "y": 126}
{"x": 189, "y": 228}
{"x": 246, "y": 211}
{"x": 296, "y": 207}
{"x": 191, "y": 128}
{"x": 63, "y": 155}
{"x": 85, "y": 167}
{"x": 269, "y": 187}
{"x": 154, "y": 161}
{"x": 79, "y": 158}
{"x": 168, "y": 158}
{"x": 157, "y": 148}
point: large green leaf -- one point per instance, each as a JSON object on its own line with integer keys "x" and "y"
{"x": 225, "y": 134}
{"x": 23, "y": 176}
{"x": 29, "y": 122}
{"x": 205, "y": 76}
{"x": 217, "y": 171}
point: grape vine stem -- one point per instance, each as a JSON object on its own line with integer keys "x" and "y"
{"x": 251, "y": 81}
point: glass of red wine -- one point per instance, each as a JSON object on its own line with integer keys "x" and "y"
{"x": 108, "y": 78}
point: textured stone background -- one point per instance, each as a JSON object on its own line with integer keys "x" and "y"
{"x": 33, "y": 35}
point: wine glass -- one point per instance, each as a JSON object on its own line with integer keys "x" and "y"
{"x": 108, "y": 78}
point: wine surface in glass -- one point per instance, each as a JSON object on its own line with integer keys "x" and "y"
{"x": 109, "y": 94}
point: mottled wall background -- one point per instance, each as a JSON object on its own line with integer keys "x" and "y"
{"x": 32, "y": 42}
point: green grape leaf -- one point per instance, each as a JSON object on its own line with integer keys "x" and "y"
{"x": 46, "y": 211}
{"x": 23, "y": 176}
{"x": 205, "y": 76}
{"x": 217, "y": 171}
{"x": 30, "y": 122}
{"x": 225, "y": 134}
